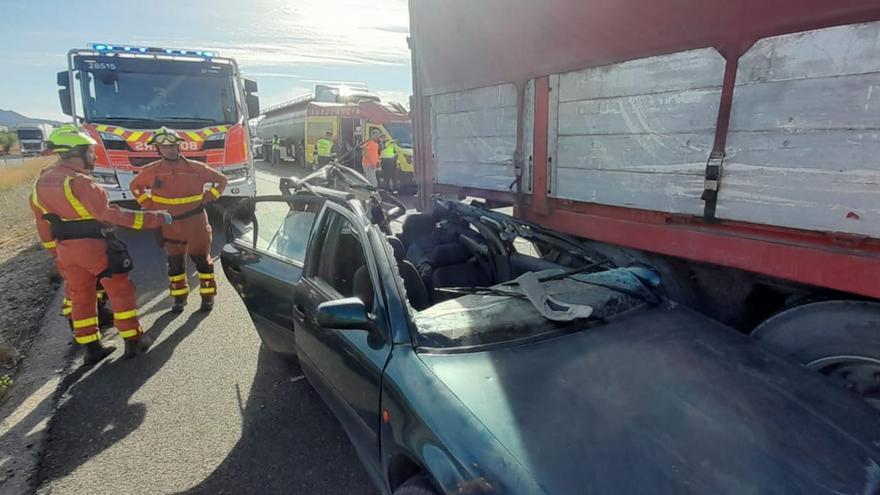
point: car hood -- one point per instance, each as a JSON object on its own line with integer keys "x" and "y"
{"x": 666, "y": 401}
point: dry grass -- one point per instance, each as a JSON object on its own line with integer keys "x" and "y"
{"x": 14, "y": 175}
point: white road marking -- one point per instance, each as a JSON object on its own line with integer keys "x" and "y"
{"x": 296, "y": 379}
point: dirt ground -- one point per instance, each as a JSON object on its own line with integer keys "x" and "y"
{"x": 28, "y": 279}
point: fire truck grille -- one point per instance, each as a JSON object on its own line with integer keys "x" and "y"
{"x": 140, "y": 161}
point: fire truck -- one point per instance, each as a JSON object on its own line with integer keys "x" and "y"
{"x": 121, "y": 94}
{"x": 350, "y": 113}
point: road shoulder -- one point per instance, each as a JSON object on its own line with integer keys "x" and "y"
{"x": 27, "y": 410}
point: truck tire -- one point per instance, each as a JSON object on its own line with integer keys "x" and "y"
{"x": 840, "y": 339}
{"x": 419, "y": 485}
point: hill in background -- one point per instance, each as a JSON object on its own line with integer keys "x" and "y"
{"x": 12, "y": 119}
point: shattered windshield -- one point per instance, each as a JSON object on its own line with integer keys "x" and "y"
{"x": 507, "y": 312}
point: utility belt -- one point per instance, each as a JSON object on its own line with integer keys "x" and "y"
{"x": 191, "y": 213}
{"x": 118, "y": 258}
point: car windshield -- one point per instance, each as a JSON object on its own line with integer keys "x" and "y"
{"x": 189, "y": 100}
{"x": 402, "y": 133}
{"x": 545, "y": 284}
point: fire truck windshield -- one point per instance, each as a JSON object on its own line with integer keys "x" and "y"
{"x": 401, "y": 132}
{"x": 142, "y": 99}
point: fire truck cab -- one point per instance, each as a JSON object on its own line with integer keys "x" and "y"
{"x": 122, "y": 94}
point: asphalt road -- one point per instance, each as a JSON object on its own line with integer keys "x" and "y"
{"x": 206, "y": 411}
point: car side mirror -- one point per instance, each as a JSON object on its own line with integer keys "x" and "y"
{"x": 344, "y": 314}
{"x": 250, "y": 86}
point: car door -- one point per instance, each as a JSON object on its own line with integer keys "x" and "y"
{"x": 345, "y": 365}
{"x": 263, "y": 260}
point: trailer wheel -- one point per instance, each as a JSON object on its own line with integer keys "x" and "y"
{"x": 840, "y": 339}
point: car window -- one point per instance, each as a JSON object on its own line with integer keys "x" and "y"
{"x": 340, "y": 260}
{"x": 283, "y": 230}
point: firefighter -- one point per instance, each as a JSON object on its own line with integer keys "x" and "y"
{"x": 105, "y": 316}
{"x": 76, "y": 211}
{"x": 178, "y": 184}
{"x": 389, "y": 165}
{"x": 325, "y": 149}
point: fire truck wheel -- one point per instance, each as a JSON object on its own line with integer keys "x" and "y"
{"x": 840, "y": 339}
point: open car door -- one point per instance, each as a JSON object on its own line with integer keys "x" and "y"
{"x": 263, "y": 260}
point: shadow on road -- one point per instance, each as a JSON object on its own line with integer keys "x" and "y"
{"x": 81, "y": 427}
{"x": 290, "y": 442}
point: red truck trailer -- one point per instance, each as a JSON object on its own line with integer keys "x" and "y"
{"x": 733, "y": 145}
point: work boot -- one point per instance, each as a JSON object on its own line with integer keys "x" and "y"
{"x": 179, "y": 304}
{"x": 96, "y": 352}
{"x": 207, "y": 304}
{"x": 138, "y": 346}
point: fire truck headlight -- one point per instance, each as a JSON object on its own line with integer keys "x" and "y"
{"x": 216, "y": 137}
{"x": 236, "y": 173}
{"x": 105, "y": 179}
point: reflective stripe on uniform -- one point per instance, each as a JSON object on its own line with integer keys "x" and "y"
{"x": 127, "y": 334}
{"x": 206, "y": 276}
{"x": 49, "y": 245}
{"x": 178, "y": 201}
{"x": 126, "y": 315}
{"x": 36, "y": 201}
{"x": 142, "y": 198}
{"x": 66, "y": 307}
{"x": 88, "y": 322}
{"x": 180, "y": 292}
{"x": 177, "y": 278}
{"x": 80, "y": 209}
{"x": 138, "y": 220}
{"x": 215, "y": 192}
{"x": 88, "y": 339}
{"x": 207, "y": 290}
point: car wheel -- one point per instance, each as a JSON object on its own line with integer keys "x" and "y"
{"x": 840, "y": 339}
{"x": 419, "y": 485}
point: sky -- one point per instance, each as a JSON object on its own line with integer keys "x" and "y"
{"x": 287, "y": 46}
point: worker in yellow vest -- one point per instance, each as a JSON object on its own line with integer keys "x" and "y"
{"x": 388, "y": 155}
{"x": 325, "y": 149}
{"x": 276, "y": 149}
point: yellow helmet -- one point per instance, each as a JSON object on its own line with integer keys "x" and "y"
{"x": 165, "y": 136}
{"x": 67, "y": 137}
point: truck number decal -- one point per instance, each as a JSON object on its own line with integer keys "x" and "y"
{"x": 101, "y": 65}
{"x": 184, "y": 146}
{"x": 189, "y": 146}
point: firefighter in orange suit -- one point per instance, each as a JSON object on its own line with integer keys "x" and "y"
{"x": 74, "y": 212}
{"x": 49, "y": 244}
{"x": 184, "y": 187}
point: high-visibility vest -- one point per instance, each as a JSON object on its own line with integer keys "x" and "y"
{"x": 388, "y": 151}
{"x": 325, "y": 147}
{"x": 276, "y": 143}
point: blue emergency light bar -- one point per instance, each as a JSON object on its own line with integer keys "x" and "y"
{"x": 107, "y": 48}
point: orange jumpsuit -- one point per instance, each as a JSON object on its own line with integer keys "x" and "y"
{"x": 67, "y": 192}
{"x": 49, "y": 244}
{"x": 180, "y": 188}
